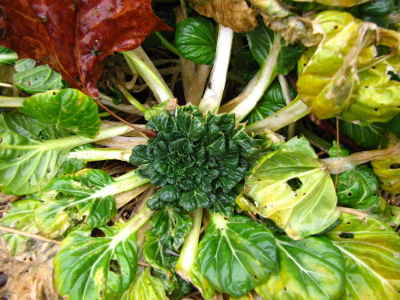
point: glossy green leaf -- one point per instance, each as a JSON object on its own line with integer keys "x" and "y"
{"x": 90, "y": 267}
{"x": 195, "y": 40}
{"x": 7, "y": 56}
{"x": 68, "y": 109}
{"x": 30, "y": 153}
{"x": 96, "y": 264}
{"x": 375, "y": 207}
{"x": 272, "y": 101}
{"x": 38, "y": 79}
{"x": 162, "y": 262}
{"x": 260, "y": 41}
{"x": 171, "y": 225}
{"x": 344, "y": 3}
{"x": 196, "y": 159}
{"x": 19, "y": 217}
{"x": 236, "y": 254}
{"x": 367, "y": 137}
{"x": 311, "y": 268}
{"x": 145, "y": 287}
{"x": 356, "y": 185}
{"x": 89, "y": 192}
{"x": 293, "y": 189}
{"x": 371, "y": 249}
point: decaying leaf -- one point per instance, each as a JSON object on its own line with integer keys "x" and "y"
{"x": 292, "y": 28}
{"x": 30, "y": 274}
{"x": 235, "y": 14}
{"x": 73, "y": 37}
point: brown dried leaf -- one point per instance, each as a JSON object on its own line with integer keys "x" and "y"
{"x": 73, "y": 37}
{"x": 30, "y": 274}
{"x": 235, "y": 14}
{"x": 292, "y": 28}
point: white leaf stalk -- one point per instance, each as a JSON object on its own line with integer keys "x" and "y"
{"x": 140, "y": 63}
{"x": 101, "y": 154}
{"x": 188, "y": 255}
{"x": 285, "y": 116}
{"x": 213, "y": 94}
{"x": 243, "y": 104}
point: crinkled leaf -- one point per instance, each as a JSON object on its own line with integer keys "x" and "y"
{"x": 30, "y": 153}
{"x": 375, "y": 207}
{"x": 239, "y": 17}
{"x": 367, "y": 137}
{"x": 261, "y": 40}
{"x": 356, "y": 185}
{"x": 194, "y": 158}
{"x": 195, "y": 40}
{"x": 293, "y": 189}
{"x": 7, "y": 56}
{"x": 377, "y": 98}
{"x": 73, "y": 38}
{"x": 90, "y": 267}
{"x": 171, "y": 225}
{"x": 371, "y": 249}
{"x": 388, "y": 170}
{"x": 145, "y": 287}
{"x": 20, "y": 217}
{"x": 272, "y": 101}
{"x": 311, "y": 268}
{"x": 343, "y": 76}
{"x": 244, "y": 64}
{"x": 88, "y": 191}
{"x": 236, "y": 254}
{"x": 33, "y": 79}
{"x": 286, "y": 23}
{"x": 68, "y": 109}
{"x": 162, "y": 262}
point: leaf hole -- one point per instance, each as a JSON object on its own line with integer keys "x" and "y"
{"x": 349, "y": 194}
{"x": 294, "y": 183}
{"x": 97, "y": 233}
{"x": 285, "y": 289}
{"x": 3, "y": 279}
{"x": 54, "y": 93}
{"x": 348, "y": 223}
{"x": 336, "y": 27}
{"x": 115, "y": 267}
{"x": 375, "y": 109}
{"x": 346, "y": 235}
{"x": 395, "y": 166}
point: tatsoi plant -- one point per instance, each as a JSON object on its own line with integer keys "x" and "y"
{"x": 196, "y": 159}
{"x": 210, "y": 195}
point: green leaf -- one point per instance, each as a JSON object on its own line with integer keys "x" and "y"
{"x": 260, "y": 42}
{"x": 89, "y": 192}
{"x": 162, "y": 262}
{"x": 90, "y": 267}
{"x": 272, "y": 101}
{"x": 95, "y": 264}
{"x": 33, "y": 79}
{"x": 356, "y": 185}
{"x": 145, "y": 287}
{"x": 367, "y": 137}
{"x": 371, "y": 249}
{"x": 236, "y": 254}
{"x": 293, "y": 189}
{"x": 171, "y": 225}
{"x": 195, "y": 40}
{"x": 68, "y": 109}
{"x": 30, "y": 155}
{"x": 311, "y": 268}
{"x": 7, "y": 56}
{"x": 20, "y": 217}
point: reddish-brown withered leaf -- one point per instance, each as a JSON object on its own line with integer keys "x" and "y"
{"x": 74, "y": 36}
